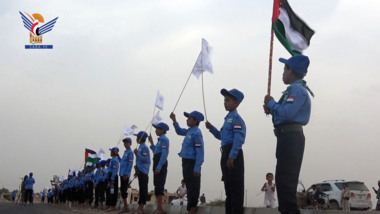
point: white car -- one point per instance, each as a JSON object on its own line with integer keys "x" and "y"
{"x": 360, "y": 195}
{"x": 177, "y": 201}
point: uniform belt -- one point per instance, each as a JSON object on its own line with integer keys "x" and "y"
{"x": 287, "y": 128}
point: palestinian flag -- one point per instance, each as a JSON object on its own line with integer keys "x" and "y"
{"x": 90, "y": 156}
{"x": 293, "y": 33}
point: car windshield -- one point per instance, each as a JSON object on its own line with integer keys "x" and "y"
{"x": 359, "y": 186}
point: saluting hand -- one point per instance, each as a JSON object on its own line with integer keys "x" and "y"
{"x": 230, "y": 163}
{"x": 208, "y": 125}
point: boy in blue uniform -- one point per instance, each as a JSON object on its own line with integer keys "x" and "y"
{"x": 142, "y": 168}
{"x": 96, "y": 183}
{"x": 192, "y": 154}
{"x": 232, "y": 136}
{"x": 160, "y": 163}
{"x": 290, "y": 113}
{"x": 14, "y": 196}
{"x": 126, "y": 164}
{"x": 89, "y": 185}
{"x": 113, "y": 169}
{"x": 107, "y": 183}
{"x": 29, "y": 188}
{"x": 102, "y": 183}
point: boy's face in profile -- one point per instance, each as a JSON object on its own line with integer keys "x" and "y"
{"x": 270, "y": 177}
{"x": 160, "y": 131}
{"x": 191, "y": 122}
{"x": 230, "y": 103}
{"x": 127, "y": 145}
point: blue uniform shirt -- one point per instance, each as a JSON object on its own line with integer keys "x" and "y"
{"x": 233, "y": 132}
{"x": 126, "y": 163}
{"x": 143, "y": 158}
{"x": 114, "y": 167}
{"x": 105, "y": 175}
{"x": 294, "y": 108}
{"x": 192, "y": 145}
{"x": 161, "y": 147}
{"x": 97, "y": 176}
{"x": 29, "y": 183}
{"x": 89, "y": 176}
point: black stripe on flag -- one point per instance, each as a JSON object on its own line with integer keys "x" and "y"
{"x": 297, "y": 23}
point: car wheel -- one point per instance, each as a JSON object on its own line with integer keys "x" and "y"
{"x": 334, "y": 205}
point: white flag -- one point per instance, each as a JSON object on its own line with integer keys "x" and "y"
{"x": 157, "y": 118}
{"x": 129, "y": 131}
{"x": 160, "y": 101}
{"x": 203, "y": 62}
{"x": 101, "y": 154}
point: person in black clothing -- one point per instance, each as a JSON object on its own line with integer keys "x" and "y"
{"x": 317, "y": 195}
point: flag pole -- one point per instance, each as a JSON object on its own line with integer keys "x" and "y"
{"x": 118, "y": 142}
{"x": 203, "y": 95}
{"x": 270, "y": 62}
{"x": 154, "y": 111}
{"x": 182, "y": 91}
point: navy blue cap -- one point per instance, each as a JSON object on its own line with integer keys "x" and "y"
{"x": 31, "y": 174}
{"x": 114, "y": 149}
{"x": 143, "y": 135}
{"x": 108, "y": 160}
{"x": 196, "y": 115}
{"x": 298, "y": 63}
{"x": 161, "y": 125}
{"x": 233, "y": 93}
{"x": 97, "y": 163}
{"x": 103, "y": 162}
{"x": 127, "y": 139}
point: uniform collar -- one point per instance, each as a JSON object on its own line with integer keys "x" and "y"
{"x": 231, "y": 113}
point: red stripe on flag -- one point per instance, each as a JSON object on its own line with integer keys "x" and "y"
{"x": 276, "y": 10}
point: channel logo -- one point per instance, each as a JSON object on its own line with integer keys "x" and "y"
{"x": 34, "y": 24}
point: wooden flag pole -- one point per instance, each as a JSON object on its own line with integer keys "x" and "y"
{"x": 203, "y": 95}
{"x": 270, "y": 62}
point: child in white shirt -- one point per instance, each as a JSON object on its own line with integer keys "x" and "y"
{"x": 269, "y": 188}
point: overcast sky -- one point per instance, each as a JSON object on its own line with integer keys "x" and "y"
{"x": 111, "y": 57}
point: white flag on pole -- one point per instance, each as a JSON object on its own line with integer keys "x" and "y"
{"x": 129, "y": 131}
{"x": 160, "y": 101}
{"x": 157, "y": 118}
{"x": 101, "y": 154}
{"x": 203, "y": 62}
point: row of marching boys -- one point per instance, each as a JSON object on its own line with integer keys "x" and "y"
{"x": 105, "y": 180}
{"x": 79, "y": 187}
{"x": 192, "y": 154}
